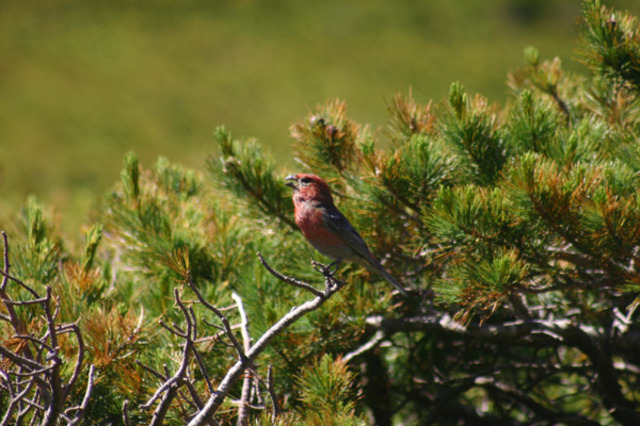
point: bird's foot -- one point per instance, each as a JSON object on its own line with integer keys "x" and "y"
{"x": 323, "y": 269}
{"x": 331, "y": 281}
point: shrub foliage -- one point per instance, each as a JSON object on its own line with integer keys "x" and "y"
{"x": 516, "y": 229}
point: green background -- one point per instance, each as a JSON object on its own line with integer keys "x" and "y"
{"x": 84, "y": 82}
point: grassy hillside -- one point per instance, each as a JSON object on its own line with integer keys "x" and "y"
{"x": 83, "y": 82}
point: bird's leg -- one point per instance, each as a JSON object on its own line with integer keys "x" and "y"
{"x": 326, "y": 270}
{"x": 335, "y": 263}
{"x": 331, "y": 282}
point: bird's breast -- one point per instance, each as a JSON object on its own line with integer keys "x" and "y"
{"x": 311, "y": 220}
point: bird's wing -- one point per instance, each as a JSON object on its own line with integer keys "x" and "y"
{"x": 339, "y": 224}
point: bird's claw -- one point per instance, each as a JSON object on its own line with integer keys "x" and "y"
{"x": 330, "y": 280}
{"x": 323, "y": 269}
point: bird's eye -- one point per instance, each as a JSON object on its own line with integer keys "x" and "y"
{"x": 306, "y": 180}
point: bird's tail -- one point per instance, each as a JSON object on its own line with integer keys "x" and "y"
{"x": 379, "y": 269}
{"x": 392, "y": 280}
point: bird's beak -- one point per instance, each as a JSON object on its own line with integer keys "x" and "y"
{"x": 294, "y": 182}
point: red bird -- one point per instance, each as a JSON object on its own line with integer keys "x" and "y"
{"x": 327, "y": 229}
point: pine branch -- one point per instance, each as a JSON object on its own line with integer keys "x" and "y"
{"x": 248, "y": 172}
{"x": 595, "y": 343}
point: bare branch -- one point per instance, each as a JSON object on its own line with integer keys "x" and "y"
{"x": 198, "y": 358}
{"x": 538, "y": 332}
{"x": 57, "y": 396}
{"x": 125, "y": 413}
{"x": 172, "y": 384}
{"x": 236, "y": 371}
{"x": 223, "y": 318}
{"x": 275, "y": 406}
{"x": 243, "y": 412}
{"x": 5, "y": 271}
{"x": 35, "y": 340}
{"x": 170, "y": 387}
{"x": 41, "y": 371}
{"x": 25, "y": 302}
{"x": 20, "y": 360}
{"x": 162, "y": 408}
{"x": 76, "y": 371}
{"x": 33, "y": 373}
{"x": 6, "y": 266}
{"x": 188, "y": 382}
{"x": 289, "y": 280}
{"x": 151, "y": 370}
{"x": 85, "y": 401}
{"x": 370, "y": 345}
{"x": 172, "y": 329}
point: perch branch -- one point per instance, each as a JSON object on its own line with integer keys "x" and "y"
{"x": 236, "y": 371}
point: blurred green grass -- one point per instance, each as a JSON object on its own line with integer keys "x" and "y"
{"x": 83, "y": 82}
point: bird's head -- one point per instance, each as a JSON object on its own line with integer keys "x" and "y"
{"x": 311, "y": 187}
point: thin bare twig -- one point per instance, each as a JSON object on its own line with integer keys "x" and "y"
{"x": 20, "y": 360}
{"x": 57, "y": 396}
{"x": 76, "y": 371}
{"x": 171, "y": 385}
{"x": 35, "y": 340}
{"x": 223, "y": 318}
{"x": 151, "y": 370}
{"x": 275, "y": 406}
{"x": 5, "y": 271}
{"x": 125, "y": 413}
{"x": 289, "y": 280}
{"x": 5, "y": 276}
{"x": 198, "y": 358}
{"x": 85, "y": 401}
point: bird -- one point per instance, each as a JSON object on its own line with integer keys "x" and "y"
{"x": 327, "y": 229}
